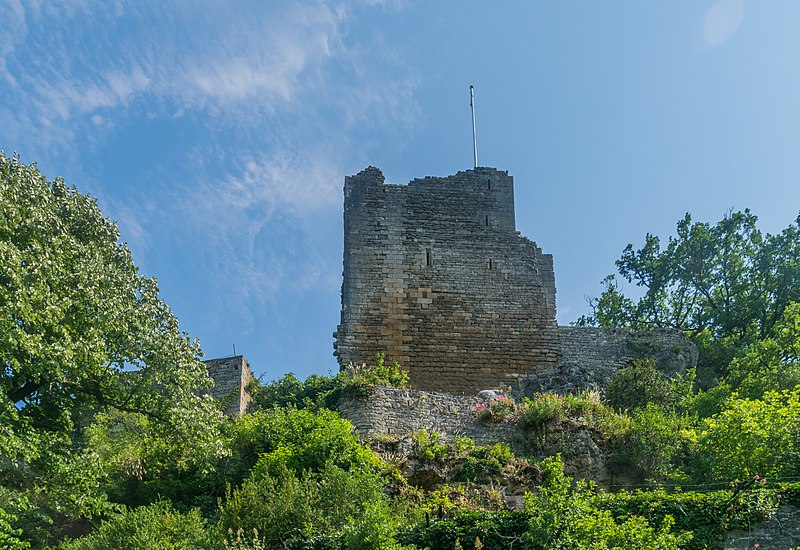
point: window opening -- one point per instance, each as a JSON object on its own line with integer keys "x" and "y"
{"x": 487, "y": 220}
{"x": 490, "y": 264}
{"x": 428, "y": 257}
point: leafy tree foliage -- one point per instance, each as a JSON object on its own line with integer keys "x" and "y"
{"x": 640, "y": 383}
{"x": 772, "y": 364}
{"x": 324, "y": 391}
{"x": 76, "y": 313}
{"x": 81, "y": 331}
{"x": 752, "y": 437}
{"x": 726, "y": 285}
{"x": 658, "y": 445}
{"x": 286, "y": 504}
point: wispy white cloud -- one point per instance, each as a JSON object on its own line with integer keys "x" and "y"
{"x": 722, "y": 20}
{"x": 285, "y": 81}
{"x": 252, "y": 54}
{"x": 258, "y": 228}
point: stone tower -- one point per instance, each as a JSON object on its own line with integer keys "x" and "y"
{"x": 437, "y": 277}
{"x": 231, "y": 376}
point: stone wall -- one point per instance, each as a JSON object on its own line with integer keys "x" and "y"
{"x": 402, "y": 411}
{"x": 589, "y": 356}
{"x": 780, "y": 532}
{"x": 231, "y": 376}
{"x": 436, "y": 276}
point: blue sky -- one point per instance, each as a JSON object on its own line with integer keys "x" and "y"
{"x": 218, "y": 134}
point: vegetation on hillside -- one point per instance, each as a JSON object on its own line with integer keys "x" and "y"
{"x": 105, "y": 441}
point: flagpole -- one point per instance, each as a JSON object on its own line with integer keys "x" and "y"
{"x": 474, "y": 134}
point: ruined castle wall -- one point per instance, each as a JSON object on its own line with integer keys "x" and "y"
{"x": 231, "y": 376}
{"x": 436, "y": 276}
{"x": 589, "y": 356}
{"x": 402, "y": 412}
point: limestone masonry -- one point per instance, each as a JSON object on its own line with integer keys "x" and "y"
{"x": 437, "y": 277}
{"x": 231, "y": 376}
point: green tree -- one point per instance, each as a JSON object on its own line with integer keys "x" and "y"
{"x": 772, "y": 363}
{"x": 283, "y": 504}
{"x": 658, "y": 443}
{"x": 726, "y": 285}
{"x": 640, "y": 383}
{"x": 81, "y": 332}
{"x": 752, "y": 437}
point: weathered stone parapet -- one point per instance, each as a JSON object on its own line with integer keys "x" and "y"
{"x": 401, "y": 412}
{"x": 405, "y": 411}
{"x": 231, "y": 376}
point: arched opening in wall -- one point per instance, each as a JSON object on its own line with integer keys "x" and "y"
{"x": 428, "y": 259}
{"x": 487, "y": 220}
{"x": 490, "y": 264}
{"x": 489, "y": 184}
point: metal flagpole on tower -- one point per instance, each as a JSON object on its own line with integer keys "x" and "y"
{"x": 474, "y": 134}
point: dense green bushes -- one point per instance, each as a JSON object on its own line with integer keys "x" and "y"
{"x": 155, "y": 526}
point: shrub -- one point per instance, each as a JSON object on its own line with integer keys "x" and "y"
{"x": 637, "y": 385}
{"x": 564, "y": 515}
{"x": 657, "y": 443}
{"x": 299, "y": 440}
{"x": 485, "y": 463}
{"x": 583, "y": 408}
{"x": 752, "y": 437}
{"x": 284, "y": 505}
{"x": 541, "y": 409}
{"x": 9, "y": 536}
{"x": 155, "y": 526}
{"x": 361, "y": 380}
{"x": 430, "y": 446}
{"x": 318, "y": 391}
{"x": 707, "y": 515}
{"x": 496, "y": 531}
{"x": 496, "y": 410}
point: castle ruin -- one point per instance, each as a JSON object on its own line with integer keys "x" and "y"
{"x": 437, "y": 277}
{"x": 231, "y": 376}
